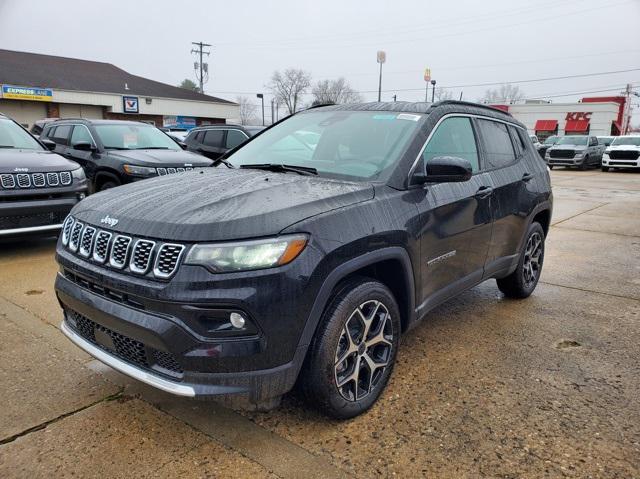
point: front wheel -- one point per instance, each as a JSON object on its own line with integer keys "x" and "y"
{"x": 550, "y": 167}
{"x": 352, "y": 355}
{"x": 522, "y": 282}
{"x": 604, "y": 168}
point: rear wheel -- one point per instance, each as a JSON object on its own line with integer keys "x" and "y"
{"x": 522, "y": 282}
{"x": 604, "y": 168}
{"x": 352, "y": 355}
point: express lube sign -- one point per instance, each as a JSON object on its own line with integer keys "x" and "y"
{"x": 12, "y": 92}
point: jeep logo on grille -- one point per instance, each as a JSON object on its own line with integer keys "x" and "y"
{"x": 21, "y": 169}
{"x": 109, "y": 221}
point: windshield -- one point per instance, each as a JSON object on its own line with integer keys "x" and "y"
{"x": 134, "y": 137}
{"x": 551, "y": 140}
{"x": 605, "y": 140}
{"x": 626, "y": 140}
{"x": 12, "y": 136}
{"x": 573, "y": 140}
{"x": 352, "y": 145}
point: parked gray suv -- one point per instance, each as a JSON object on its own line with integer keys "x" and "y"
{"x": 580, "y": 151}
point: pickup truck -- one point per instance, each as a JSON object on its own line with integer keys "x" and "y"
{"x": 580, "y": 151}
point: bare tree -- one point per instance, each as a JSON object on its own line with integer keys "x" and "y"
{"x": 247, "y": 111}
{"x": 289, "y": 86}
{"x": 442, "y": 94}
{"x": 506, "y": 93}
{"x": 334, "y": 91}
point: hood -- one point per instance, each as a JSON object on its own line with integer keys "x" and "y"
{"x": 156, "y": 158}
{"x": 218, "y": 204}
{"x": 33, "y": 161}
{"x": 569, "y": 147}
{"x": 623, "y": 147}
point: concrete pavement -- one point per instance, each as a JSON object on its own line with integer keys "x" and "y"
{"x": 485, "y": 386}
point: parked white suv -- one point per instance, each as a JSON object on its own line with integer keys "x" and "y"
{"x": 624, "y": 152}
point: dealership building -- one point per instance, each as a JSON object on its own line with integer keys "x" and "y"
{"x": 35, "y": 86}
{"x": 599, "y": 116}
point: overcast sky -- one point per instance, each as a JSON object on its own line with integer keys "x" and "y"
{"x": 464, "y": 42}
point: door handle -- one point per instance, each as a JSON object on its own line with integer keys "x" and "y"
{"x": 527, "y": 177}
{"x": 483, "y": 192}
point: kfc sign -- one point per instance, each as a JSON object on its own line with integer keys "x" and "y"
{"x": 578, "y": 115}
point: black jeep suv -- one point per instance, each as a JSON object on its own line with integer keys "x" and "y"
{"x": 37, "y": 188}
{"x": 114, "y": 152}
{"x": 295, "y": 262}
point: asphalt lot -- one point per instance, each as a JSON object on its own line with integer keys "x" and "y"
{"x": 485, "y": 386}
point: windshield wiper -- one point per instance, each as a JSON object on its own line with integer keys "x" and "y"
{"x": 223, "y": 161}
{"x": 7, "y": 146}
{"x": 301, "y": 170}
{"x": 152, "y": 148}
{"x": 116, "y": 148}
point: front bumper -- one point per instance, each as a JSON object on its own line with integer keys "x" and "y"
{"x": 25, "y": 217}
{"x": 620, "y": 163}
{"x": 162, "y": 322}
{"x": 575, "y": 161}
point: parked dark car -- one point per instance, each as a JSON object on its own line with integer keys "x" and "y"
{"x": 213, "y": 141}
{"x": 38, "y": 126}
{"x": 548, "y": 143}
{"x": 581, "y": 151}
{"x": 291, "y": 263}
{"x": 37, "y": 188}
{"x": 114, "y": 152}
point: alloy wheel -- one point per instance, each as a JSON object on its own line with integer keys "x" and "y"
{"x": 532, "y": 259}
{"x": 364, "y": 350}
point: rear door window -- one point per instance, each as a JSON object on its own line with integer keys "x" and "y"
{"x": 214, "y": 138}
{"x": 61, "y": 134}
{"x": 498, "y": 148}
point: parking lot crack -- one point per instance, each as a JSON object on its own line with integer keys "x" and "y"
{"x": 590, "y": 291}
{"x": 56, "y": 419}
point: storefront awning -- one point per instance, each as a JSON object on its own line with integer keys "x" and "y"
{"x": 576, "y": 126}
{"x": 546, "y": 125}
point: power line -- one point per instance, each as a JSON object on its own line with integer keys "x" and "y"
{"x": 534, "y": 80}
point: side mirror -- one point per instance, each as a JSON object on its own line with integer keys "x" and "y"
{"x": 48, "y": 144}
{"x": 83, "y": 146}
{"x": 448, "y": 169}
{"x": 183, "y": 145}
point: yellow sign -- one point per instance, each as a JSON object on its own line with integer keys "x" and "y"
{"x": 11, "y": 92}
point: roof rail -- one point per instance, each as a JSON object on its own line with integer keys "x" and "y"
{"x": 470, "y": 103}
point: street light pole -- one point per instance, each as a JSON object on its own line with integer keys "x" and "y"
{"x": 381, "y": 58}
{"x": 433, "y": 90}
{"x": 261, "y": 96}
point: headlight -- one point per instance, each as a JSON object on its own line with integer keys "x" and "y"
{"x": 139, "y": 170}
{"x": 247, "y": 255}
{"x": 78, "y": 174}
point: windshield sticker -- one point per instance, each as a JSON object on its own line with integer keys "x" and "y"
{"x": 384, "y": 117}
{"x": 408, "y": 116}
{"x": 130, "y": 140}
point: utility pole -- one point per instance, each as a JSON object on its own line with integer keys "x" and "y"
{"x": 261, "y": 96}
{"x": 200, "y": 66}
{"x": 273, "y": 100}
{"x": 395, "y": 97}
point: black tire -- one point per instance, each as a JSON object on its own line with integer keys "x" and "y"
{"x": 521, "y": 283}
{"x": 107, "y": 185}
{"x": 353, "y": 302}
{"x": 585, "y": 164}
{"x": 550, "y": 167}
{"x": 604, "y": 168}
